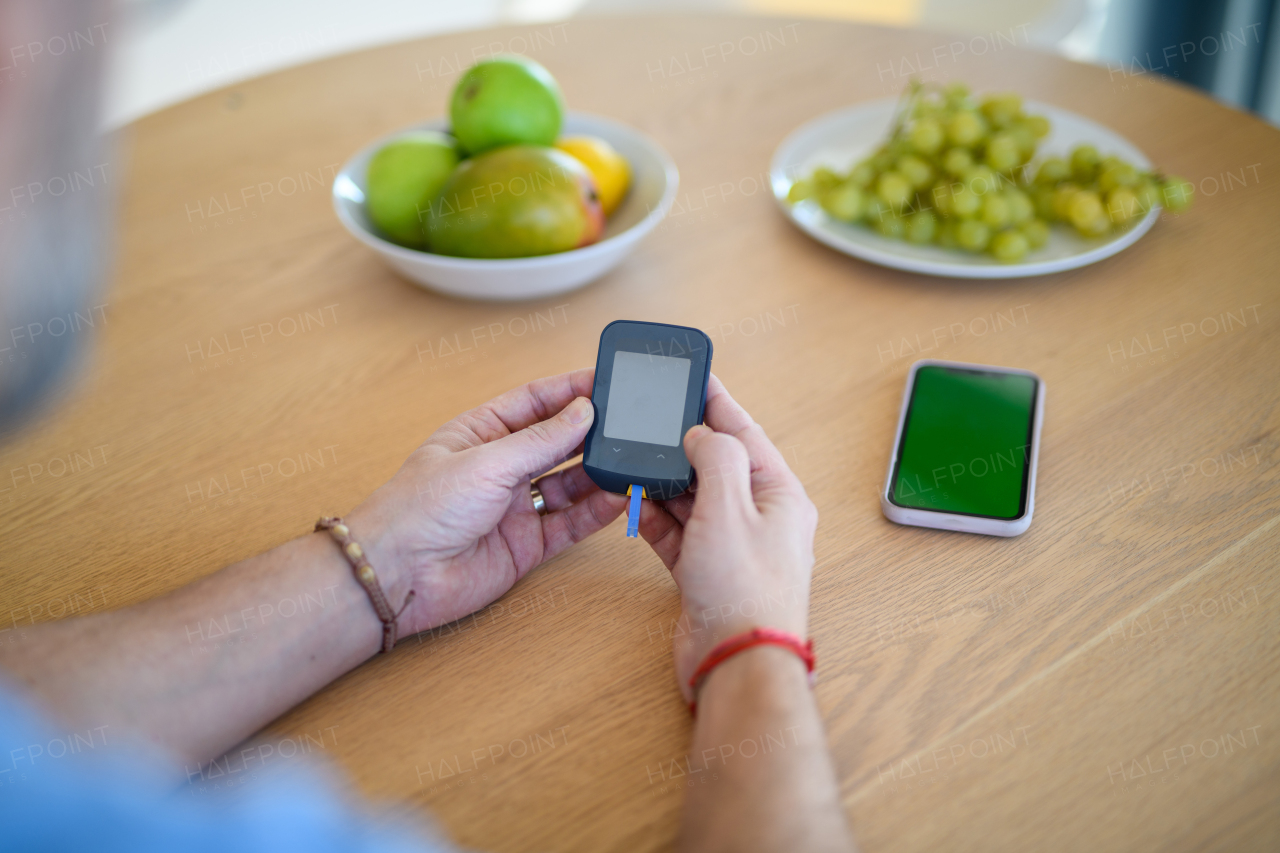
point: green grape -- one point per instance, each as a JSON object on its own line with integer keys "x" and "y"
{"x": 940, "y": 197}
{"x": 1062, "y": 196}
{"x": 1084, "y": 163}
{"x": 981, "y": 180}
{"x": 957, "y": 95}
{"x": 1122, "y": 205}
{"x": 1118, "y": 175}
{"x": 891, "y": 225}
{"x": 916, "y": 171}
{"x": 894, "y": 189}
{"x": 1002, "y": 110}
{"x": 1148, "y": 194}
{"x": 862, "y": 174}
{"x": 1009, "y": 246}
{"x": 801, "y": 190}
{"x": 1003, "y": 152}
{"x": 1097, "y": 228}
{"x": 1039, "y": 126}
{"x": 1037, "y": 233}
{"x": 845, "y": 202}
{"x": 1026, "y": 140}
{"x": 972, "y": 235}
{"x": 946, "y": 234}
{"x": 965, "y": 203}
{"x": 966, "y": 128}
{"x": 1084, "y": 209}
{"x": 926, "y": 135}
{"x": 874, "y": 210}
{"x": 1109, "y": 162}
{"x": 921, "y": 227}
{"x": 995, "y": 210}
{"x": 1177, "y": 193}
{"x": 1042, "y": 200}
{"x": 1011, "y": 101}
{"x": 1053, "y": 170}
{"x": 1021, "y": 210}
{"x": 824, "y": 178}
{"x": 957, "y": 161}
{"x": 924, "y": 108}
{"x": 881, "y": 161}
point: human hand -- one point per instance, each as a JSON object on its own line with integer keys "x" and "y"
{"x": 457, "y": 524}
{"x": 741, "y": 547}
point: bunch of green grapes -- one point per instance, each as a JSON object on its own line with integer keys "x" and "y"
{"x": 1098, "y": 195}
{"x": 957, "y": 173}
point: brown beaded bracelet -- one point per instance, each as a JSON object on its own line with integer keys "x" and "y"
{"x": 367, "y": 577}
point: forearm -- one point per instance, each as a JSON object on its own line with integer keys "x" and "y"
{"x": 773, "y": 787}
{"x": 197, "y": 671}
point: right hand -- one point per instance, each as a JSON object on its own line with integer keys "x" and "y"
{"x": 741, "y": 547}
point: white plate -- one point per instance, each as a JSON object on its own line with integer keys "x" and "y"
{"x": 654, "y": 180}
{"x": 841, "y": 138}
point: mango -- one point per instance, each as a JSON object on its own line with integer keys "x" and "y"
{"x": 514, "y": 202}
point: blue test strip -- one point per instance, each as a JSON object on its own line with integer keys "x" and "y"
{"x": 633, "y": 512}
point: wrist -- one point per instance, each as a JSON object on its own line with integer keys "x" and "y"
{"x": 743, "y": 644}
{"x": 372, "y": 533}
{"x": 374, "y": 530}
{"x": 763, "y": 675}
{"x": 704, "y": 633}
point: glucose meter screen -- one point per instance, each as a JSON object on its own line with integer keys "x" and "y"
{"x": 646, "y": 398}
{"x": 966, "y": 444}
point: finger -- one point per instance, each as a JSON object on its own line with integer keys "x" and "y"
{"x": 769, "y": 470}
{"x": 519, "y": 456}
{"x": 724, "y": 471}
{"x": 662, "y": 531}
{"x": 679, "y": 508}
{"x": 576, "y": 522}
{"x": 565, "y": 488}
{"x": 515, "y": 410}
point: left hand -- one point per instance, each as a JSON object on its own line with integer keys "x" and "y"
{"x": 457, "y": 524}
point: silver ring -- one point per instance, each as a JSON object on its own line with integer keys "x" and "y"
{"x": 539, "y": 502}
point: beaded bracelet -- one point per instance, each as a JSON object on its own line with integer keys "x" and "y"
{"x": 803, "y": 649}
{"x": 367, "y": 577}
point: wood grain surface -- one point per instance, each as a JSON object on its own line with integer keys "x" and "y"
{"x": 1107, "y": 681}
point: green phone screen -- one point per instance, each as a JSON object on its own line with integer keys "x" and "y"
{"x": 966, "y": 443}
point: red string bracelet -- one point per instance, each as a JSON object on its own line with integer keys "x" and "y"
{"x": 803, "y": 649}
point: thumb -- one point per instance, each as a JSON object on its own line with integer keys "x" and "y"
{"x": 724, "y": 469}
{"x": 517, "y": 457}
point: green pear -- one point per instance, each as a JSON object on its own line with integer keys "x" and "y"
{"x": 402, "y": 180}
{"x": 506, "y": 100}
{"x": 515, "y": 202}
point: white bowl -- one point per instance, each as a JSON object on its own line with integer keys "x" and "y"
{"x": 654, "y": 180}
{"x": 841, "y": 138}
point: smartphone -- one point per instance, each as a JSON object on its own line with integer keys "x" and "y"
{"x": 964, "y": 456}
{"x": 650, "y": 389}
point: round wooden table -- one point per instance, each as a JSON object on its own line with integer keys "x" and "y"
{"x": 1109, "y": 680}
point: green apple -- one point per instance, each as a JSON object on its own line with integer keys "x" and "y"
{"x": 515, "y": 202}
{"x": 403, "y": 178}
{"x": 506, "y": 100}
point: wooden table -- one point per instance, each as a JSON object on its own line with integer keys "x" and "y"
{"x": 1108, "y": 681}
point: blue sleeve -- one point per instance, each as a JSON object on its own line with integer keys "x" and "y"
{"x": 81, "y": 790}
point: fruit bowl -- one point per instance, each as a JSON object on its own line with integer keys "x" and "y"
{"x": 653, "y": 189}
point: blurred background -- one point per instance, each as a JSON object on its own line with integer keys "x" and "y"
{"x": 170, "y": 50}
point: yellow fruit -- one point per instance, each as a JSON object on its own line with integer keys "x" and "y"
{"x": 607, "y": 166}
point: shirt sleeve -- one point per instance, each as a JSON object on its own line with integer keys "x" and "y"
{"x": 83, "y": 790}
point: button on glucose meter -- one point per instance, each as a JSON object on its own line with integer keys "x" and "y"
{"x": 650, "y": 389}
